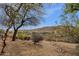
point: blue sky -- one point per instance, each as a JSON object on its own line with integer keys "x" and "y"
{"x": 51, "y": 16}
{"x": 53, "y": 13}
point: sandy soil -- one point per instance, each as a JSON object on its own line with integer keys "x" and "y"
{"x": 45, "y": 48}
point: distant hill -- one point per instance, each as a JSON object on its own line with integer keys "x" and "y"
{"x": 49, "y": 29}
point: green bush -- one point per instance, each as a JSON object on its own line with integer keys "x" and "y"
{"x": 75, "y": 35}
{"x": 1, "y": 31}
{"x": 22, "y": 35}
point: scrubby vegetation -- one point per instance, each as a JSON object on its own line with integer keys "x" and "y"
{"x": 1, "y": 31}
{"x": 22, "y": 36}
{"x": 62, "y": 34}
{"x": 36, "y": 37}
{"x": 17, "y": 15}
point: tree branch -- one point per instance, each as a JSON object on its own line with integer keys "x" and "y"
{"x": 76, "y": 9}
{"x": 22, "y": 22}
{"x": 19, "y": 7}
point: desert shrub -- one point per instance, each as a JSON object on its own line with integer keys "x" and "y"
{"x": 1, "y": 32}
{"x": 22, "y": 35}
{"x": 68, "y": 34}
{"x": 36, "y": 37}
{"x": 74, "y": 34}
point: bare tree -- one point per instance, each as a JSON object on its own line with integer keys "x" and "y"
{"x": 7, "y": 21}
{"x": 24, "y": 16}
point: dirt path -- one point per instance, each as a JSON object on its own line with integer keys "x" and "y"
{"x": 45, "y": 49}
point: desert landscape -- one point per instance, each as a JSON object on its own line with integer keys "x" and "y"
{"x": 49, "y": 46}
{"x": 39, "y": 29}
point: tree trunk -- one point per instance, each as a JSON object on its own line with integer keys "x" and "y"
{"x": 3, "y": 47}
{"x": 14, "y": 35}
{"x": 4, "y": 41}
